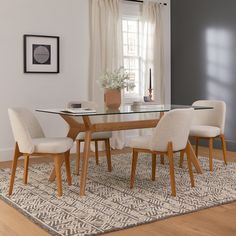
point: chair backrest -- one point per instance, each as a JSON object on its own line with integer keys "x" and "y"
{"x": 173, "y": 127}
{"x": 25, "y": 127}
{"x": 211, "y": 117}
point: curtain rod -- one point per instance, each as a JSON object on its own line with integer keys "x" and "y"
{"x": 140, "y": 1}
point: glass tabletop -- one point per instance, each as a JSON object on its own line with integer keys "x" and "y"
{"x": 125, "y": 109}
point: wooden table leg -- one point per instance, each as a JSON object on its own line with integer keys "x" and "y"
{"x": 194, "y": 159}
{"x": 73, "y": 132}
{"x": 162, "y": 155}
{"x": 86, "y": 154}
{"x": 53, "y": 173}
{"x": 60, "y": 161}
{"x": 162, "y": 159}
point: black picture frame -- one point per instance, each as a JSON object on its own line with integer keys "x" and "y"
{"x": 41, "y": 53}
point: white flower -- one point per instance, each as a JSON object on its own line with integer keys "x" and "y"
{"x": 119, "y": 79}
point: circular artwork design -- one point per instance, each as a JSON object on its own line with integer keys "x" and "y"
{"x": 42, "y": 54}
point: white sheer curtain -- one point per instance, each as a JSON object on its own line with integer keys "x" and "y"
{"x": 106, "y": 51}
{"x": 152, "y": 48}
{"x": 152, "y": 53}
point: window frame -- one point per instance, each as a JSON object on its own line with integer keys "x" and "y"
{"x": 129, "y": 98}
{"x": 132, "y": 11}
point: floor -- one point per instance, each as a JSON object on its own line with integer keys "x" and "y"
{"x": 214, "y": 221}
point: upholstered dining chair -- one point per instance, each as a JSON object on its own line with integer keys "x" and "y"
{"x": 96, "y": 137}
{"x": 208, "y": 124}
{"x": 169, "y": 136}
{"x": 31, "y": 141}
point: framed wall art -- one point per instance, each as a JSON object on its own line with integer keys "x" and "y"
{"x": 41, "y": 54}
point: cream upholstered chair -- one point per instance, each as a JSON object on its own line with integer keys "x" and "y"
{"x": 209, "y": 124}
{"x": 169, "y": 136}
{"x": 96, "y": 137}
{"x": 30, "y": 141}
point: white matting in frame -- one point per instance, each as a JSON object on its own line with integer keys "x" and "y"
{"x": 41, "y": 54}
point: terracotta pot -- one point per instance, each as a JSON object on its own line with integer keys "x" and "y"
{"x": 112, "y": 98}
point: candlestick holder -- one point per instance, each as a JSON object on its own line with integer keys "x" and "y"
{"x": 150, "y": 90}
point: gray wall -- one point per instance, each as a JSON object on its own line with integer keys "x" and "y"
{"x": 204, "y": 55}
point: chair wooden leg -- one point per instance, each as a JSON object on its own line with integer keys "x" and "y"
{"x": 181, "y": 160}
{"x": 77, "y": 161}
{"x": 162, "y": 159}
{"x": 17, "y": 154}
{"x": 196, "y": 146}
{"x": 57, "y": 164}
{"x": 190, "y": 165}
{"x": 108, "y": 153}
{"x": 222, "y": 137}
{"x": 67, "y": 164}
{"x": 154, "y": 162}
{"x": 96, "y": 152}
{"x": 133, "y": 170}
{"x": 172, "y": 171}
{"x": 211, "y": 154}
{"x": 26, "y": 165}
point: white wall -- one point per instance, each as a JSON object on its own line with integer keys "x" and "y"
{"x": 65, "y": 18}
{"x": 68, "y": 19}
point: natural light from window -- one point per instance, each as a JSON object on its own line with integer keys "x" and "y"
{"x": 131, "y": 55}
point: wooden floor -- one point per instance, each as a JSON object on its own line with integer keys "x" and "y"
{"x": 210, "y": 222}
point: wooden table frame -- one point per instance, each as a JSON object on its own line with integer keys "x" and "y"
{"x": 75, "y": 127}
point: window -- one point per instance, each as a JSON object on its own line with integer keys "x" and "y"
{"x": 131, "y": 55}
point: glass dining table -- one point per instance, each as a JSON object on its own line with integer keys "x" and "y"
{"x": 83, "y": 121}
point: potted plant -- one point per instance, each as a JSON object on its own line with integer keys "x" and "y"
{"x": 113, "y": 82}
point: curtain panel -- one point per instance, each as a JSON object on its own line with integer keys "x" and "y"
{"x": 105, "y": 43}
{"x": 106, "y": 50}
{"x": 152, "y": 49}
{"x": 152, "y": 54}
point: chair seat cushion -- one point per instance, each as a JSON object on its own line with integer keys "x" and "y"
{"x": 142, "y": 142}
{"x": 96, "y": 135}
{"x": 204, "y": 131}
{"x": 52, "y": 145}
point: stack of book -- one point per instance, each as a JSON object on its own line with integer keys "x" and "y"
{"x": 79, "y": 110}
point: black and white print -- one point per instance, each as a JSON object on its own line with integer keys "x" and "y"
{"x": 41, "y": 54}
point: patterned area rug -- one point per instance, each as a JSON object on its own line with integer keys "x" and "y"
{"x": 109, "y": 204}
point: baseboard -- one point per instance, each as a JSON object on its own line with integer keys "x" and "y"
{"x": 230, "y": 144}
{"x": 6, "y": 154}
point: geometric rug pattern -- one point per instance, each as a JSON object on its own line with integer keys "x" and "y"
{"x": 110, "y": 204}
